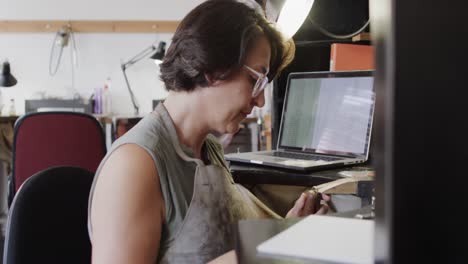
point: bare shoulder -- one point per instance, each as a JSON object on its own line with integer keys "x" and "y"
{"x": 129, "y": 171}
{"x": 130, "y": 157}
{"x": 127, "y": 208}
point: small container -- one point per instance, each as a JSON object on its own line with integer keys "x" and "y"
{"x": 98, "y": 101}
{"x": 12, "y": 110}
{"x": 106, "y": 98}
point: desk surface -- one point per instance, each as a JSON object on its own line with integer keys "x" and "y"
{"x": 251, "y": 233}
{"x": 4, "y": 118}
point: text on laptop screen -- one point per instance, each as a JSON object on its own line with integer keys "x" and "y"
{"x": 328, "y": 115}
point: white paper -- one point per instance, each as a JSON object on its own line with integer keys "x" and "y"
{"x": 326, "y": 238}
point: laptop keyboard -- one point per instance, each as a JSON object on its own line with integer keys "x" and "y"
{"x": 301, "y": 156}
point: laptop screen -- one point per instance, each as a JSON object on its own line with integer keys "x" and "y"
{"x": 328, "y": 113}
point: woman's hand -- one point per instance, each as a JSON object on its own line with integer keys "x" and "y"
{"x": 309, "y": 203}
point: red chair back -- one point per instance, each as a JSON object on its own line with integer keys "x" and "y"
{"x": 47, "y": 139}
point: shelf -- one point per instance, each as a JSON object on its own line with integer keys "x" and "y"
{"x": 365, "y": 36}
{"x": 5, "y": 118}
{"x": 88, "y": 26}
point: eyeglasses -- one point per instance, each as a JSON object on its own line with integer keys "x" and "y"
{"x": 262, "y": 81}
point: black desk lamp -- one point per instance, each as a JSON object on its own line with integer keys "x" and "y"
{"x": 6, "y": 79}
{"x": 157, "y": 57}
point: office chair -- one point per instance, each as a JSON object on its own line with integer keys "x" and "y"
{"x": 47, "y": 139}
{"x": 47, "y": 221}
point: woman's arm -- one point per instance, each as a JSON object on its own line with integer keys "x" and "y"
{"x": 127, "y": 209}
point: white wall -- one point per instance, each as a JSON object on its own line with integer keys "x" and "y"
{"x": 99, "y": 55}
{"x": 96, "y": 9}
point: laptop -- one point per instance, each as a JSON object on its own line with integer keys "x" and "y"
{"x": 326, "y": 122}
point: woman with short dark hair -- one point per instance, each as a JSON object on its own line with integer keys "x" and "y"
{"x": 163, "y": 193}
{"x": 214, "y": 40}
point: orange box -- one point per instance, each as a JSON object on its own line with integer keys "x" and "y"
{"x": 347, "y": 57}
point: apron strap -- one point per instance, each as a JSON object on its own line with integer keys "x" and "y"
{"x": 211, "y": 147}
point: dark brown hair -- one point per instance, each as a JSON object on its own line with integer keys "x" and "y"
{"x": 214, "y": 39}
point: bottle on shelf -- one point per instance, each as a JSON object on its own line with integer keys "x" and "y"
{"x": 98, "y": 101}
{"x": 12, "y": 111}
{"x": 106, "y": 98}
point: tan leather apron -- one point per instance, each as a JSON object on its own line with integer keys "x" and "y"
{"x": 217, "y": 205}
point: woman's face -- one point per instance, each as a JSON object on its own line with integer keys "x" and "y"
{"x": 232, "y": 100}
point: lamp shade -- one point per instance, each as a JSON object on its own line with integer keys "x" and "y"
{"x": 292, "y": 15}
{"x": 309, "y": 20}
{"x": 160, "y": 52}
{"x": 6, "y": 79}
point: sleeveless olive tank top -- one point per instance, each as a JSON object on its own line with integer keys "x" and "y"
{"x": 216, "y": 205}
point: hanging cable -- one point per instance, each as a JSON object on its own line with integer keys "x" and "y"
{"x": 73, "y": 59}
{"x": 52, "y": 72}
{"x": 74, "y": 65}
{"x": 61, "y": 39}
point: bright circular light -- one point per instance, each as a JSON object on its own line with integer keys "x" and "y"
{"x": 292, "y": 16}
